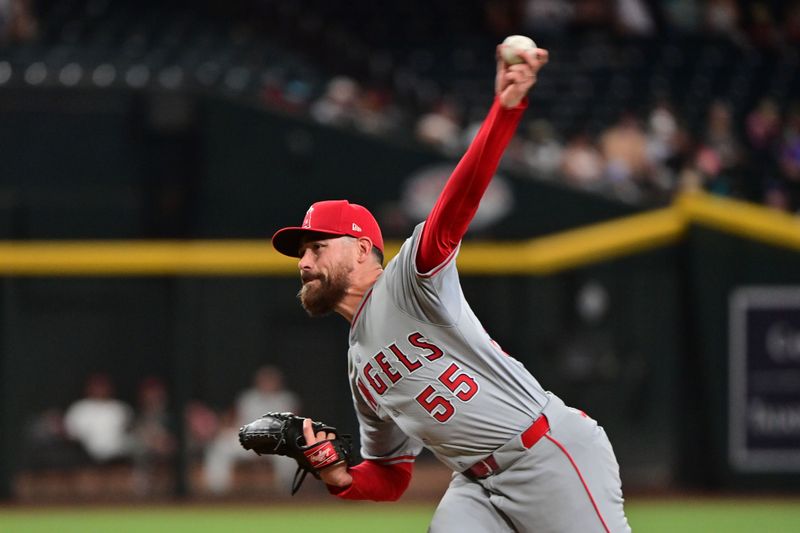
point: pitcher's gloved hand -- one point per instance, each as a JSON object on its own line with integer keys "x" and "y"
{"x": 282, "y": 434}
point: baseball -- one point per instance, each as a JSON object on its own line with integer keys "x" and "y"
{"x": 513, "y": 45}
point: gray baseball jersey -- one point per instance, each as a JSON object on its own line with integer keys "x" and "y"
{"x": 424, "y": 372}
{"x": 420, "y": 360}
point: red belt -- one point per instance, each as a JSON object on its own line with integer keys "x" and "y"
{"x": 530, "y": 436}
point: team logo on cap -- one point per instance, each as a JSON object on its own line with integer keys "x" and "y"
{"x": 356, "y": 227}
{"x": 307, "y": 219}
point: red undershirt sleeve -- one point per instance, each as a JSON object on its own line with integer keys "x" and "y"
{"x": 377, "y": 482}
{"x": 457, "y": 204}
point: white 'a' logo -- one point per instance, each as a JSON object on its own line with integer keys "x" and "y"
{"x": 307, "y": 219}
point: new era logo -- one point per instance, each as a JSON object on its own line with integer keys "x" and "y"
{"x": 356, "y": 227}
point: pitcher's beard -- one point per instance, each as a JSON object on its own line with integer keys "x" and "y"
{"x": 320, "y": 295}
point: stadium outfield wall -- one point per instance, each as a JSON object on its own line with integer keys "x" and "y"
{"x": 654, "y": 361}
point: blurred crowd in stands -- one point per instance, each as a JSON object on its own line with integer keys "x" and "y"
{"x": 101, "y": 431}
{"x": 642, "y": 98}
{"x": 647, "y": 150}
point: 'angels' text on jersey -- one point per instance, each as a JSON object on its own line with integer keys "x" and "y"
{"x": 384, "y": 374}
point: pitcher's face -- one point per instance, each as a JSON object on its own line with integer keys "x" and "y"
{"x": 325, "y": 267}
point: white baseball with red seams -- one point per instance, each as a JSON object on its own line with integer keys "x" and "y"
{"x": 513, "y": 45}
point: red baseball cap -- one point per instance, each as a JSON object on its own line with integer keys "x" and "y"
{"x": 330, "y": 217}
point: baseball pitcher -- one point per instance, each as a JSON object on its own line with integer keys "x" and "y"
{"x": 424, "y": 372}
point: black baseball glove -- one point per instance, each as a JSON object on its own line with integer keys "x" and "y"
{"x": 282, "y": 434}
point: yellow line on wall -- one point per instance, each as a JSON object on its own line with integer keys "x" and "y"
{"x": 743, "y": 219}
{"x": 568, "y": 249}
{"x": 148, "y": 258}
{"x": 142, "y": 258}
{"x": 578, "y": 247}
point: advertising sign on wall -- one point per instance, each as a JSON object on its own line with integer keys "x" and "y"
{"x": 764, "y": 380}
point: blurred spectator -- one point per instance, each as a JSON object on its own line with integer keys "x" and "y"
{"x": 5, "y": 20}
{"x": 153, "y": 432}
{"x": 720, "y": 137}
{"x": 582, "y": 164}
{"x": 633, "y": 18}
{"x": 222, "y": 454}
{"x": 440, "y": 127}
{"x": 762, "y": 131}
{"x": 791, "y": 23}
{"x": 46, "y": 445}
{"x": 705, "y": 172}
{"x": 100, "y": 422}
{"x": 547, "y": 17}
{"x": 289, "y": 97}
{"x": 17, "y": 21}
{"x": 690, "y": 179}
{"x": 337, "y": 107}
{"x": 777, "y": 197}
{"x": 762, "y": 30}
{"x": 267, "y": 394}
{"x": 540, "y": 150}
{"x": 202, "y": 425}
{"x": 763, "y": 127}
{"x": 667, "y": 145}
{"x": 722, "y": 17}
{"x": 682, "y": 15}
{"x": 593, "y": 14}
{"x": 662, "y": 129}
{"x": 375, "y": 113}
{"x": 502, "y": 17}
{"x": 790, "y": 147}
{"x": 624, "y": 147}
